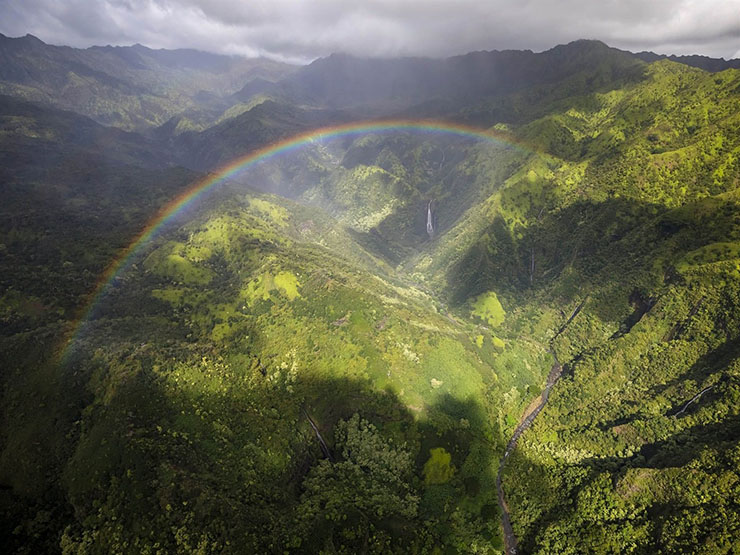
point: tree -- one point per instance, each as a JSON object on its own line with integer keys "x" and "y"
{"x": 353, "y": 500}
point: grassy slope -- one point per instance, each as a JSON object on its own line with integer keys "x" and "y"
{"x": 228, "y": 325}
{"x": 254, "y": 304}
{"x": 183, "y": 395}
{"x": 634, "y": 210}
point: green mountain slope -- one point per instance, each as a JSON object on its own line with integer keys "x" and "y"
{"x": 305, "y": 369}
{"x": 278, "y": 311}
{"x": 225, "y": 334}
{"x": 128, "y": 87}
{"x": 74, "y": 193}
{"x": 634, "y": 213}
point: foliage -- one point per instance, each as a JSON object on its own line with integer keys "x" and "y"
{"x": 370, "y": 484}
{"x": 197, "y": 384}
{"x": 487, "y": 307}
{"x": 438, "y": 469}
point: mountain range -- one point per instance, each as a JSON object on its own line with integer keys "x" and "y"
{"x": 476, "y": 304}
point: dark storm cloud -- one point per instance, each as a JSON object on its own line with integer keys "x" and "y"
{"x": 302, "y": 30}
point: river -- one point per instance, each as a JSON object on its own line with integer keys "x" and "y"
{"x": 510, "y": 541}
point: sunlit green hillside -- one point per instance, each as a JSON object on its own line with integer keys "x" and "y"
{"x": 293, "y": 363}
{"x": 632, "y": 208}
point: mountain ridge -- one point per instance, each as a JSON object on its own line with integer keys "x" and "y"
{"x": 216, "y": 85}
{"x": 310, "y": 359}
{"x": 142, "y": 87}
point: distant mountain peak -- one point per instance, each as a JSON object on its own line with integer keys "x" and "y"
{"x": 587, "y": 42}
{"x": 583, "y": 46}
{"x": 694, "y": 60}
{"x": 26, "y": 39}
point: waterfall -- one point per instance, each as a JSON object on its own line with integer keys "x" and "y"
{"x": 430, "y": 223}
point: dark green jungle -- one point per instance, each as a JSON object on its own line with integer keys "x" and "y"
{"x": 293, "y": 364}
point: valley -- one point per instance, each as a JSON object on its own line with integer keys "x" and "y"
{"x": 316, "y": 310}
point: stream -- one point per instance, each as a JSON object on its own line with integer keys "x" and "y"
{"x": 510, "y": 542}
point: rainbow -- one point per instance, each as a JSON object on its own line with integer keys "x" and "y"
{"x": 179, "y": 204}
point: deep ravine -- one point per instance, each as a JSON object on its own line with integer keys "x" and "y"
{"x": 510, "y": 541}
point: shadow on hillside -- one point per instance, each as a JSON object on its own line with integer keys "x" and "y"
{"x": 577, "y": 505}
{"x": 585, "y": 238}
{"x": 720, "y": 357}
{"x": 612, "y": 246}
{"x": 157, "y": 458}
{"x": 40, "y": 408}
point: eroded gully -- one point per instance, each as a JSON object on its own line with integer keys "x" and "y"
{"x": 510, "y": 541}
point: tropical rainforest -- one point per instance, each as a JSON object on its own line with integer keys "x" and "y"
{"x": 482, "y": 304}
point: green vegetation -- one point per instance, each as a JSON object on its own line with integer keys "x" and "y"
{"x": 309, "y": 372}
{"x": 224, "y": 330}
{"x": 133, "y": 87}
{"x": 438, "y": 469}
{"x": 370, "y": 484}
{"x": 635, "y": 216}
{"x": 488, "y": 308}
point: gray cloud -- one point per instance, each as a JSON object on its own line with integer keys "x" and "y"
{"x": 300, "y": 30}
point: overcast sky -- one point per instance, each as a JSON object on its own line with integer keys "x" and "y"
{"x": 299, "y": 31}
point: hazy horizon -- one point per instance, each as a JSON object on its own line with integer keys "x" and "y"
{"x": 306, "y": 62}
{"x": 294, "y": 32}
